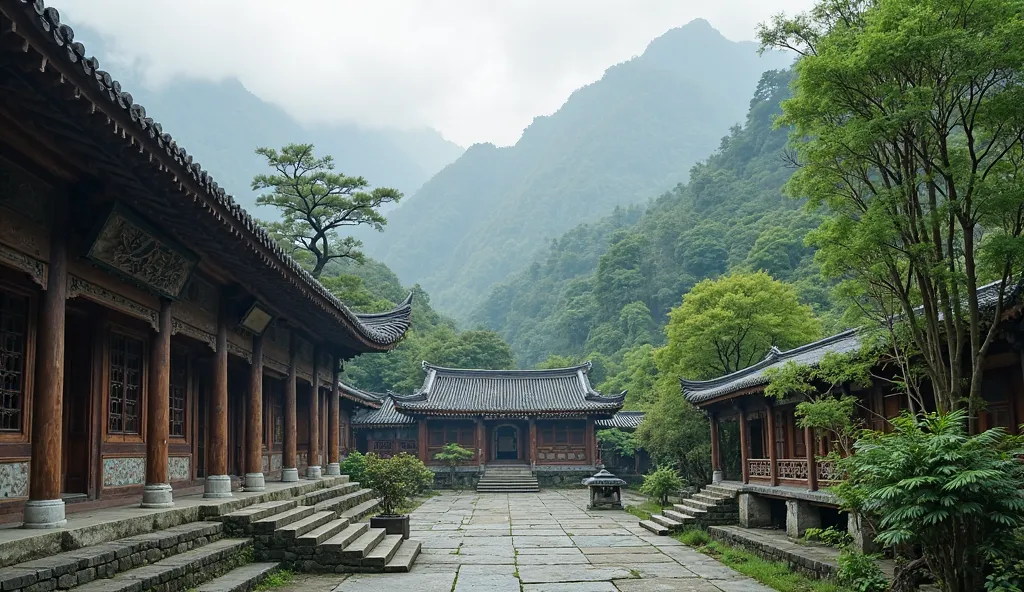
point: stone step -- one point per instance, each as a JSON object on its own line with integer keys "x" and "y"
{"x": 383, "y": 552}
{"x": 666, "y": 522}
{"x": 714, "y": 498}
{"x": 355, "y": 513}
{"x": 404, "y": 558}
{"x": 341, "y": 503}
{"x": 508, "y": 481}
{"x": 344, "y": 538}
{"x": 679, "y": 517}
{"x": 725, "y": 490}
{"x": 271, "y": 523}
{"x": 240, "y": 579}
{"x": 362, "y": 546}
{"x": 654, "y": 527}
{"x": 107, "y": 559}
{"x": 298, "y": 528}
{"x": 240, "y": 521}
{"x": 180, "y": 572}
{"x": 322, "y": 533}
{"x": 697, "y": 504}
{"x": 510, "y": 490}
{"x": 315, "y": 497}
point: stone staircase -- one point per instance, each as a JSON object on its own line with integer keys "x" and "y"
{"x": 507, "y": 479}
{"x": 714, "y": 505}
{"x": 319, "y": 531}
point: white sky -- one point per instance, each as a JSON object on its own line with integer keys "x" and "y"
{"x": 476, "y": 70}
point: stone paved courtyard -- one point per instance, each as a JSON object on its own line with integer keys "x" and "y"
{"x": 540, "y": 542}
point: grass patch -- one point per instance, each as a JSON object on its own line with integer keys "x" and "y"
{"x": 276, "y": 580}
{"x": 634, "y": 573}
{"x": 643, "y": 511}
{"x": 775, "y": 574}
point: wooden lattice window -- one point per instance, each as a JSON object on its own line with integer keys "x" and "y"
{"x": 125, "y": 384}
{"x": 13, "y": 342}
{"x": 179, "y": 394}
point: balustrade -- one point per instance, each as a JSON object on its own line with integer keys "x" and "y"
{"x": 759, "y": 468}
{"x": 828, "y": 471}
{"x": 792, "y": 468}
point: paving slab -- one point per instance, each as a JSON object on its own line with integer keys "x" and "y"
{"x": 542, "y": 541}
{"x": 665, "y": 585}
{"x": 414, "y": 581}
{"x": 486, "y": 583}
{"x": 544, "y": 574}
{"x": 571, "y": 587}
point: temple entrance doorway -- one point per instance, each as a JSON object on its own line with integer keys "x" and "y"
{"x": 506, "y": 443}
{"x": 77, "y": 411}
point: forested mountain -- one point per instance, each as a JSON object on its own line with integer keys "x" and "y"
{"x": 222, "y": 123}
{"x": 632, "y": 134}
{"x": 607, "y": 286}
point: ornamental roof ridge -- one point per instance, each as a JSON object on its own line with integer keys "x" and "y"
{"x": 47, "y": 19}
{"x": 503, "y": 373}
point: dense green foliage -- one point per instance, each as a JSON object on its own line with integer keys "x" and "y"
{"x": 394, "y": 480}
{"x": 619, "y": 141}
{"x": 354, "y": 466}
{"x": 930, "y": 484}
{"x": 616, "y": 442}
{"x": 661, "y": 483}
{"x": 909, "y": 134}
{"x": 452, "y": 455}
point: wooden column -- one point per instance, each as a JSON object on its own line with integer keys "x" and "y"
{"x": 313, "y": 468}
{"x": 533, "y": 442}
{"x": 334, "y": 421}
{"x": 773, "y": 456}
{"x": 290, "y": 472}
{"x": 45, "y": 508}
{"x": 744, "y": 446}
{"x": 346, "y": 431}
{"x": 716, "y": 451}
{"x": 423, "y": 440}
{"x": 157, "y": 493}
{"x": 591, "y": 440}
{"x": 254, "y": 479}
{"x": 812, "y": 461}
{"x": 481, "y": 441}
{"x": 218, "y": 483}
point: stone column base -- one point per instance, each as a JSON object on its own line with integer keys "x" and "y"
{"x": 313, "y": 472}
{"x": 289, "y": 475}
{"x": 217, "y": 486}
{"x": 755, "y": 511}
{"x": 157, "y": 495}
{"x": 716, "y": 477}
{"x": 800, "y": 516}
{"x": 255, "y": 482}
{"x": 44, "y": 514}
{"x": 333, "y": 469}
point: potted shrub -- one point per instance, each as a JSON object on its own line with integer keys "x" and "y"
{"x": 451, "y": 456}
{"x": 394, "y": 481}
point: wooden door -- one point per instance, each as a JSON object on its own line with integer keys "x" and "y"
{"x": 77, "y": 408}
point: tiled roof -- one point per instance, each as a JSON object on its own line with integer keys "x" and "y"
{"x": 377, "y": 332}
{"x": 703, "y": 391}
{"x": 387, "y": 415}
{"x": 360, "y": 396}
{"x": 523, "y": 392}
{"x": 624, "y": 420}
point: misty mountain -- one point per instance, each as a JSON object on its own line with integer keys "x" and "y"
{"x": 221, "y": 124}
{"x": 621, "y": 140}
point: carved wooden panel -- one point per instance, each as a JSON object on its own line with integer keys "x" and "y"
{"x": 80, "y": 287}
{"x": 792, "y": 468}
{"x": 828, "y": 471}
{"x": 760, "y": 468}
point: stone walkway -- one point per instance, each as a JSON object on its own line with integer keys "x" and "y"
{"x": 540, "y": 542}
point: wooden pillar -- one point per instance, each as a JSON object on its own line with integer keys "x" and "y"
{"x": 157, "y": 493}
{"x": 313, "y": 468}
{"x": 346, "y": 431}
{"x": 218, "y": 482}
{"x": 45, "y": 508}
{"x": 716, "y": 451}
{"x": 254, "y": 479}
{"x": 423, "y": 440}
{"x": 773, "y": 456}
{"x": 533, "y": 442}
{"x": 591, "y": 440}
{"x": 290, "y": 471}
{"x": 812, "y": 461}
{"x": 334, "y": 421}
{"x": 481, "y": 441}
{"x": 744, "y": 446}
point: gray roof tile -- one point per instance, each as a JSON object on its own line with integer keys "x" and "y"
{"x": 624, "y": 420}
{"x": 387, "y": 415}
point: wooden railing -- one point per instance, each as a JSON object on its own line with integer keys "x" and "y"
{"x": 759, "y": 468}
{"x": 828, "y": 472}
{"x": 793, "y": 469}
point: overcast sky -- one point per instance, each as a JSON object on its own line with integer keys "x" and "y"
{"x": 476, "y": 70}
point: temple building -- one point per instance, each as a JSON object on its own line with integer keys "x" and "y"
{"x": 541, "y": 419}
{"x": 154, "y": 339}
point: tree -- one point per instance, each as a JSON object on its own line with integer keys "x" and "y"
{"x": 394, "y": 480}
{"x": 932, "y": 485}
{"x": 452, "y": 455}
{"x": 315, "y": 202}
{"x": 675, "y": 432}
{"x": 661, "y": 483}
{"x": 617, "y": 442}
{"x": 908, "y": 123}
{"x": 729, "y": 323}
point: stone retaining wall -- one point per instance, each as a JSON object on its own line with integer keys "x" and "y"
{"x": 809, "y": 561}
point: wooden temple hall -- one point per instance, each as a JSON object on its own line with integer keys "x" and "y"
{"x": 153, "y": 338}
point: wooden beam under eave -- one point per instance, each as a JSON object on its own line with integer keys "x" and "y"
{"x": 23, "y": 143}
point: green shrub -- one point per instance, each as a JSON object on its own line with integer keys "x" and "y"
{"x": 661, "y": 483}
{"x": 860, "y": 572}
{"x": 354, "y": 466}
{"x": 396, "y": 479}
{"x": 828, "y": 536}
{"x": 451, "y": 456}
{"x": 694, "y": 538}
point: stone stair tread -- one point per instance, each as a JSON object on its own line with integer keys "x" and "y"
{"x": 301, "y": 527}
{"x": 360, "y": 547}
{"x": 346, "y": 536}
{"x": 698, "y": 504}
{"x": 383, "y": 551}
{"x": 666, "y": 522}
{"x": 149, "y": 576}
{"x": 677, "y": 516}
{"x": 356, "y": 512}
{"x": 654, "y": 527}
{"x": 404, "y": 558}
{"x": 691, "y": 510}
{"x": 240, "y": 579}
{"x": 327, "y": 493}
{"x": 251, "y": 512}
{"x": 322, "y": 533}
{"x": 343, "y": 500}
{"x": 272, "y": 523}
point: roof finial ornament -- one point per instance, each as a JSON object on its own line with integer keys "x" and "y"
{"x": 587, "y": 366}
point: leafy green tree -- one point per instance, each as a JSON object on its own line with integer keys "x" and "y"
{"x": 452, "y": 455}
{"x": 908, "y": 125}
{"x": 315, "y": 203}
{"x": 354, "y": 466}
{"x": 637, "y": 377}
{"x": 675, "y": 432}
{"x": 730, "y": 323}
{"x": 394, "y": 480}
{"x": 661, "y": 483}
{"x": 932, "y": 485}
{"x": 617, "y": 442}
